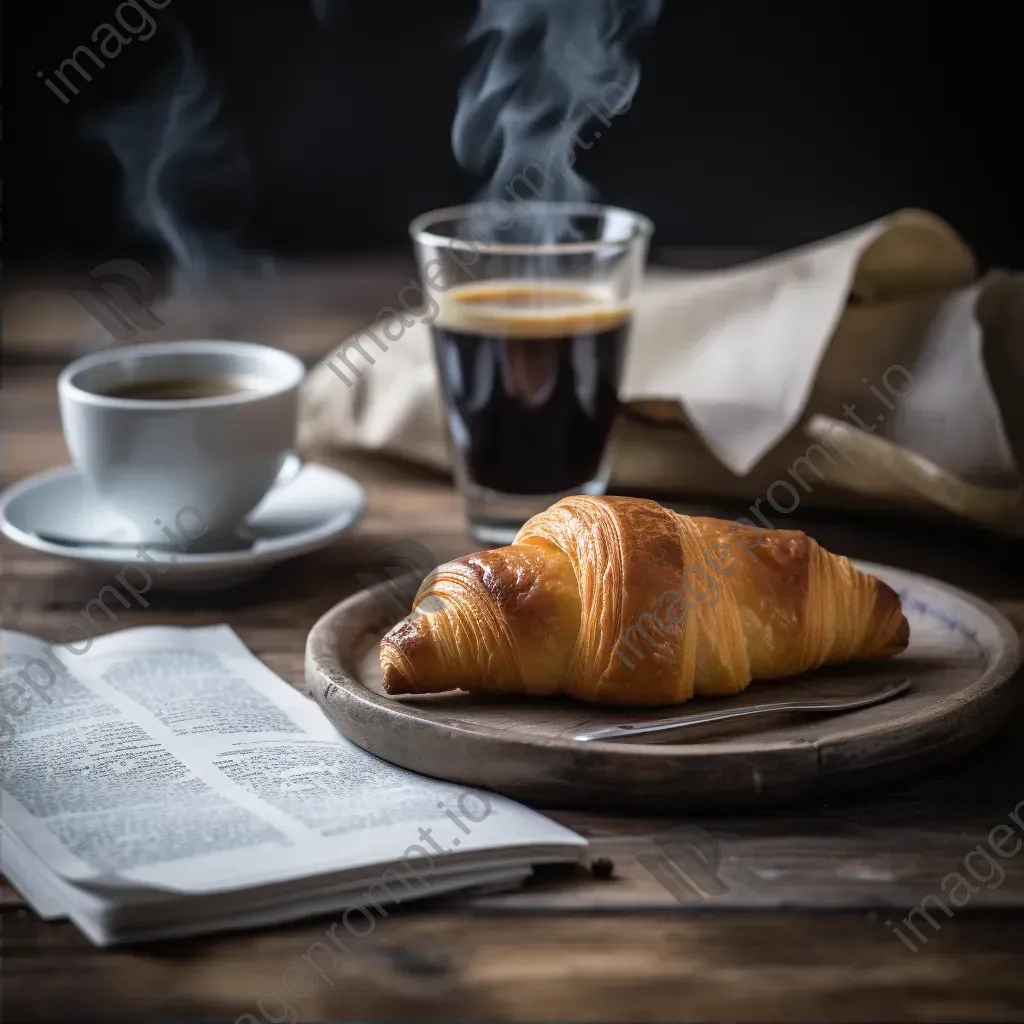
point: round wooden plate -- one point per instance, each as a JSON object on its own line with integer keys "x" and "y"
{"x": 961, "y": 658}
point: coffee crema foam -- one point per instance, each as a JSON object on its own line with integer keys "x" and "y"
{"x": 176, "y": 389}
{"x": 524, "y": 309}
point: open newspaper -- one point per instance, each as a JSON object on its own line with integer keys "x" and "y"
{"x": 165, "y": 782}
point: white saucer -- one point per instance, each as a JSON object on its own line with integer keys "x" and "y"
{"x": 56, "y": 513}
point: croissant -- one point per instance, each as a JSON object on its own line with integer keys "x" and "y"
{"x": 621, "y": 601}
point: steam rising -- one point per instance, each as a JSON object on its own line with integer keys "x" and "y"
{"x": 547, "y": 68}
{"x": 322, "y": 10}
{"x": 184, "y": 176}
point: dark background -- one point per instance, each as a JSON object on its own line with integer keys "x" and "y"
{"x": 761, "y": 125}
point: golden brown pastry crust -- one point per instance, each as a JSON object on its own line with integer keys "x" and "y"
{"x": 621, "y": 601}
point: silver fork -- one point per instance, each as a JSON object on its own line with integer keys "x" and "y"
{"x": 818, "y": 705}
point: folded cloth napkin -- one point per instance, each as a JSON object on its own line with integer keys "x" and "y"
{"x": 858, "y": 369}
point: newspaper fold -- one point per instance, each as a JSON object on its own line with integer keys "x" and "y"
{"x": 165, "y": 782}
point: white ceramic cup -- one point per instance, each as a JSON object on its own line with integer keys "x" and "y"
{"x": 197, "y": 466}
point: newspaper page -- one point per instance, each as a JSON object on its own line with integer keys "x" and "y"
{"x": 173, "y": 759}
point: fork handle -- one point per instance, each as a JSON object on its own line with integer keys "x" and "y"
{"x": 614, "y": 732}
{"x": 701, "y": 718}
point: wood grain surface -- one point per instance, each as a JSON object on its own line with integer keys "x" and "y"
{"x": 643, "y": 947}
{"x": 435, "y": 964}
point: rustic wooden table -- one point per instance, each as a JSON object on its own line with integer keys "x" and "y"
{"x": 787, "y": 921}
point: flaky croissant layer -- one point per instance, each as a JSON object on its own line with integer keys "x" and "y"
{"x": 621, "y": 601}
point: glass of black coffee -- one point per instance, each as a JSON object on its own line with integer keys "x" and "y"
{"x": 530, "y": 305}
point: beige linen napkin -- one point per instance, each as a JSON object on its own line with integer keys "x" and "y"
{"x": 858, "y": 362}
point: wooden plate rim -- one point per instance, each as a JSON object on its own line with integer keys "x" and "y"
{"x": 331, "y": 678}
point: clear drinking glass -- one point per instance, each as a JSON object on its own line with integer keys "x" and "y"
{"x": 533, "y": 306}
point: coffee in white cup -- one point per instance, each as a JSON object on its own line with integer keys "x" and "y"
{"x": 192, "y": 433}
